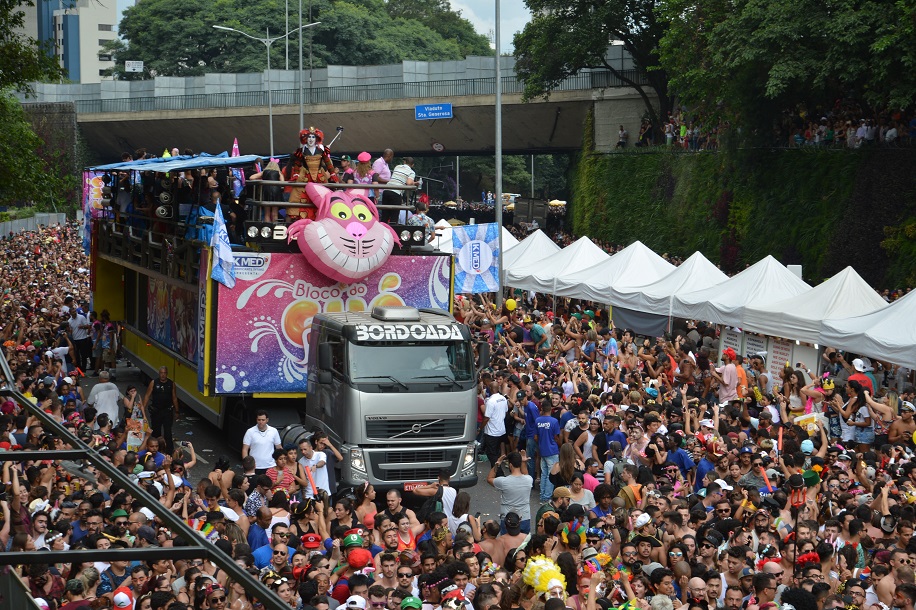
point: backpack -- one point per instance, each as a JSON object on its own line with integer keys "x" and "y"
{"x": 430, "y": 506}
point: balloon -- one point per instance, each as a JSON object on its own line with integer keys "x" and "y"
{"x": 511, "y": 304}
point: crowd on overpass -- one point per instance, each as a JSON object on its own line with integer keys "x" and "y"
{"x": 662, "y": 475}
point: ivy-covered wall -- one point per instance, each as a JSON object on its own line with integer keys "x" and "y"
{"x": 823, "y": 209}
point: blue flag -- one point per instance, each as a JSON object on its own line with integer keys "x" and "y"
{"x": 223, "y": 261}
{"x": 476, "y": 249}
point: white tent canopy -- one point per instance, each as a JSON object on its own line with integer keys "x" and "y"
{"x": 844, "y": 295}
{"x": 887, "y": 334}
{"x": 535, "y": 246}
{"x": 766, "y": 281}
{"x": 695, "y": 273}
{"x": 634, "y": 265}
{"x": 542, "y": 271}
{"x": 443, "y": 240}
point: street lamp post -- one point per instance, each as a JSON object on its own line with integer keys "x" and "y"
{"x": 267, "y": 42}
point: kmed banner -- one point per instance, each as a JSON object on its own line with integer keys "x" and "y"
{"x": 476, "y": 249}
{"x": 264, "y": 323}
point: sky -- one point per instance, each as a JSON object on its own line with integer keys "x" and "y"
{"x": 481, "y": 13}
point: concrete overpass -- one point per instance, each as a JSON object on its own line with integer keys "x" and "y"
{"x": 209, "y": 123}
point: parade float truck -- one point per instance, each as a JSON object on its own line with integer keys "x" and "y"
{"x": 333, "y": 321}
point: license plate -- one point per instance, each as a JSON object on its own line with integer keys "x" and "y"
{"x": 413, "y": 486}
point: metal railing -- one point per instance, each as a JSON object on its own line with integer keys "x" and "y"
{"x": 197, "y": 545}
{"x": 351, "y": 93}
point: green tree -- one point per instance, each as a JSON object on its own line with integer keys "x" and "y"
{"x": 22, "y": 60}
{"x": 179, "y": 40}
{"x": 750, "y": 60}
{"x": 439, "y": 17}
{"x": 563, "y": 38}
{"x": 28, "y": 178}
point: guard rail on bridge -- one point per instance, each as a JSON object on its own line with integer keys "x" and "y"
{"x": 354, "y": 93}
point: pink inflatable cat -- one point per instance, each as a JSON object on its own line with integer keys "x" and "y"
{"x": 346, "y": 241}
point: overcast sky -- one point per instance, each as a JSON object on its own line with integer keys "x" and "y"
{"x": 513, "y": 14}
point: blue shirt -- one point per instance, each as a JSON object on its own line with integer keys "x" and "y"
{"x": 620, "y": 437}
{"x": 257, "y": 537}
{"x": 682, "y": 459}
{"x": 702, "y": 468}
{"x": 548, "y": 428}
{"x": 531, "y": 416}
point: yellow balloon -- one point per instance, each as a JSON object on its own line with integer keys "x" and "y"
{"x": 511, "y": 304}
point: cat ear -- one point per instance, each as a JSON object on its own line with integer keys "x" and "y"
{"x": 318, "y": 195}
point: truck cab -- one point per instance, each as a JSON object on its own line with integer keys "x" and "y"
{"x": 395, "y": 389}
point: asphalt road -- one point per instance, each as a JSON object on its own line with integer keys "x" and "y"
{"x": 210, "y": 443}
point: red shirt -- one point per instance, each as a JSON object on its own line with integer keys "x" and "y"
{"x": 863, "y": 379}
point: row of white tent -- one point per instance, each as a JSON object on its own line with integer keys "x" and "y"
{"x": 645, "y": 291}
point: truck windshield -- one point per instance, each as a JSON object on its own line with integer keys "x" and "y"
{"x": 419, "y": 361}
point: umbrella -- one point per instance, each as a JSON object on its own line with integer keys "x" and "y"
{"x": 450, "y": 204}
{"x": 556, "y": 203}
{"x": 455, "y": 222}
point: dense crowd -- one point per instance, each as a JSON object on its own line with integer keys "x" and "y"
{"x": 846, "y": 125}
{"x": 631, "y": 471}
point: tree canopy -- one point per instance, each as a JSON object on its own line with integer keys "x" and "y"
{"x": 22, "y": 59}
{"x": 179, "y": 40}
{"x": 563, "y": 38}
{"x": 750, "y": 60}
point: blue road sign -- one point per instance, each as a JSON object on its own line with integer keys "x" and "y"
{"x": 428, "y": 112}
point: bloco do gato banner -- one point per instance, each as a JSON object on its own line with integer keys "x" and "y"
{"x": 264, "y": 323}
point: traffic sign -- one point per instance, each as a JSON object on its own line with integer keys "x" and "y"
{"x": 429, "y": 112}
{"x": 133, "y": 66}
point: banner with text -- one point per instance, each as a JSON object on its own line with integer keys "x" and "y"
{"x": 264, "y": 323}
{"x": 476, "y": 249}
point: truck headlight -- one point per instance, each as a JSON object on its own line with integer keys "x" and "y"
{"x": 469, "y": 465}
{"x": 357, "y": 462}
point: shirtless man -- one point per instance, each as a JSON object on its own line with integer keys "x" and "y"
{"x": 887, "y": 585}
{"x": 901, "y": 431}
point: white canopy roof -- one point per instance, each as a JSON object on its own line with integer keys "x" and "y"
{"x": 887, "y": 334}
{"x": 766, "y": 281}
{"x": 636, "y": 264}
{"x": 542, "y": 271}
{"x": 443, "y": 241}
{"x": 535, "y": 246}
{"x": 844, "y": 295}
{"x": 695, "y": 273}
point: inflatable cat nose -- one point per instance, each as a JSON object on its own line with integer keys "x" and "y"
{"x": 356, "y": 229}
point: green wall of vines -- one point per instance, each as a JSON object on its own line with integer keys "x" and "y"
{"x": 823, "y": 209}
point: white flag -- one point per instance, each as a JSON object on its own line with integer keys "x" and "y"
{"x": 224, "y": 263}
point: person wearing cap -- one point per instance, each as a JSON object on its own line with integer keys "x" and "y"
{"x": 727, "y": 376}
{"x": 901, "y": 431}
{"x": 558, "y": 503}
{"x": 345, "y": 172}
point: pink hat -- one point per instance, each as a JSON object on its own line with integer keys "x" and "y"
{"x": 364, "y": 157}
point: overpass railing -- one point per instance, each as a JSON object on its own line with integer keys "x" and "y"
{"x": 353, "y": 93}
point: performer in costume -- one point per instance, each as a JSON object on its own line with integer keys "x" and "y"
{"x": 311, "y": 163}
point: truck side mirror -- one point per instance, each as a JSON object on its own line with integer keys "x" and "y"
{"x": 483, "y": 355}
{"x": 324, "y": 357}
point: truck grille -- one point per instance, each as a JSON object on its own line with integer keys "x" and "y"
{"x": 409, "y": 429}
{"x": 420, "y": 465}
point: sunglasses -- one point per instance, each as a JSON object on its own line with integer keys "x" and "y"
{"x": 405, "y": 574}
{"x": 285, "y": 535}
{"x": 379, "y": 604}
{"x": 121, "y": 523}
{"x": 706, "y": 545}
{"x": 675, "y": 554}
{"x": 629, "y": 553}
{"x": 218, "y": 600}
{"x": 280, "y": 552}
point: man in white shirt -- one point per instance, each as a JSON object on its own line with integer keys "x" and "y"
{"x": 79, "y": 335}
{"x": 316, "y": 462}
{"x": 104, "y": 397}
{"x": 402, "y": 175}
{"x": 260, "y": 442}
{"x": 494, "y": 424}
